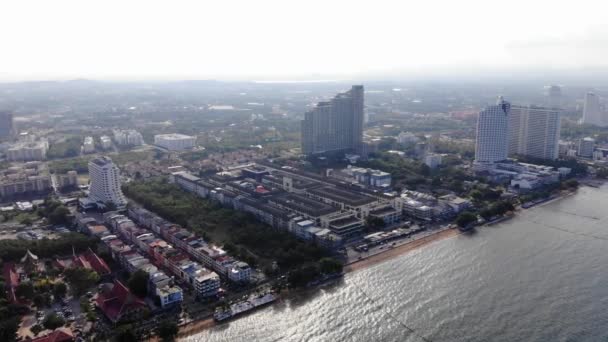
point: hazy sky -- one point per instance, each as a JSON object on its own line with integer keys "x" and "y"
{"x": 253, "y": 39}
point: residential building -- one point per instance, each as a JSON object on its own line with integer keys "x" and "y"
{"x": 105, "y": 182}
{"x": 405, "y": 138}
{"x": 6, "y": 125}
{"x": 67, "y": 180}
{"x": 28, "y": 178}
{"x": 88, "y": 145}
{"x": 240, "y": 272}
{"x": 534, "y": 131}
{"x": 492, "y": 141}
{"x": 175, "y": 141}
{"x": 335, "y": 125}
{"x": 585, "y": 147}
{"x": 128, "y": 137}
{"x": 592, "y": 112}
{"x": 554, "y": 96}
{"x": 28, "y": 151}
{"x": 432, "y": 160}
{"x": 106, "y": 142}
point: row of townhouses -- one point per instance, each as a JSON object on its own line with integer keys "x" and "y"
{"x": 209, "y": 255}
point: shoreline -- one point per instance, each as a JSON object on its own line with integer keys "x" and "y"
{"x": 194, "y": 327}
{"x": 400, "y": 250}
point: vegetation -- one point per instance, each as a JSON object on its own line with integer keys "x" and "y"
{"x": 496, "y": 209}
{"x": 602, "y": 173}
{"x": 10, "y": 317}
{"x": 80, "y": 165}
{"x": 11, "y": 250}
{"x": 465, "y": 218}
{"x": 65, "y": 149}
{"x": 138, "y": 283}
{"x": 53, "y": 321}
{"x": 125, "y": 333}
{"x": 238, "y": 231}
{"x": 167, "y": 330}
{"x": 81, "y": 279}
{"x": 55, "y": 211}
{"x": 25, "y": 290}
{"x": 59, "y": 289}
{"x": 330, "y": 266}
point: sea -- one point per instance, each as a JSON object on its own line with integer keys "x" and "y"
{"x": 541, "y": 276}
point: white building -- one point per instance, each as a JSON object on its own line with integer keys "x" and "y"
{"x": 432, "y": 160}
{"x": 534, "y": 131}
{"x": 240, "y": 272}
{"x": 407, "y": 138}
{"x": 128, "y": 137}
{"x": 175, "y": 141}
{"x": 585, "y": 147}
{"x": 492, "y": 142}
{"x": 27, "y": 151}
{"x": 105, "y": 182}
{"x": 106, "y": 142}
{"x": 592, "y": 112}
{"x": 89, "y": 145}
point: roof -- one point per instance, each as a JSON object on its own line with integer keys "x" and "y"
{"x": 117, "y": 301}
{"x": 59, "y": 335}
{"x": 88, "y": 260}
{"x": 29, "y": 256}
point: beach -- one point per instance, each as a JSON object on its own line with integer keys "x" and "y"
{"x": 400, "y": 250}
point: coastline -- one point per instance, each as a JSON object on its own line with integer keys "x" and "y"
{"x": 194, "y": 327}
{"x": 400, "y": 250}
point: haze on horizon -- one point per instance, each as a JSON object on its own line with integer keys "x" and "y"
{"x": 275, "y": 39}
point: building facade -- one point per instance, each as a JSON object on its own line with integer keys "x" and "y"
{"x": 6, "y": 124}
{"x": 534, "y": 131}
{"x": 492, "y": 141}
{"x": 592, "y": 112}
{"x": 105, "y": 182}
{"x": 334, "y": 125}
{"x": 175, "y": 142}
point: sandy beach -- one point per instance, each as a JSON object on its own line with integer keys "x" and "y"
{"x": 399, "y": 250}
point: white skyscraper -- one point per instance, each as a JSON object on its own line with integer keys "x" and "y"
{"x": 492, "y": 141}
{"x": 534, "y": 131}
{"x": 105, "y": 182}
{"x": 592, "y": 113}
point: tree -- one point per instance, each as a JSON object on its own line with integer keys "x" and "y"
{"x": 52, "y": 321}
{"x": 125, "y": 334}
{"x": 60, "y": 290}
{"x": 42, "y": 300}
{"x": 465, "y": 218}
{"x": 138, "y": 283}
{"x": 330, "y": 266}
{"x": 59, "y": 215}
{"x": 25, "y": 290}
{"x": 8, "y": 329}
{"x": 81, "y": 279}
{"x": 167, "y": 330}
{"x": 36, "y": 329}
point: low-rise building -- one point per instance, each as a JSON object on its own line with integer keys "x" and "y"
{"x": 67, "y": 180}
{"x": 28, "y": 151}
{"x": 106, "y": 142}
{"x": 175, "y": 141}
{"x": 118, "y": 303}
{"x": 88, "y": 145}
{"x": 432, "y": 160}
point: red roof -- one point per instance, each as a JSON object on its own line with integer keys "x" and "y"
{"x": 88, "y": 260}
{"x": 97, "y": 263}
{"x": 59, "y": 335}
{"x": 118, "y": 301}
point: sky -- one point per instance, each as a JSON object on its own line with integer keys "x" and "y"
{"x": 259, "y": 39}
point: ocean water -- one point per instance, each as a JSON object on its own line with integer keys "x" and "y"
{"x": 542, "y": 276}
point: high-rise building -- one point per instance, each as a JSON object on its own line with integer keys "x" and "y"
{"x": 554, "y": 96}
{"x": 534, "y": 131}
{"x": 6, "y": 124}
{"x": 334, "y": 125}
{"x": 105, "y": 182}
{"x": 585, "y": 147}
{"x": 592, "y": 113}
{"x": 492, "y": 141}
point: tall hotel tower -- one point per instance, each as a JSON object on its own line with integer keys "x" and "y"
{"x": 492, "y": 142}
{"x": 105, "y": 182}
{"x": 534, "y": 131}
{"x": 592, "y": 113}
{"x": 334, "y": 125}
